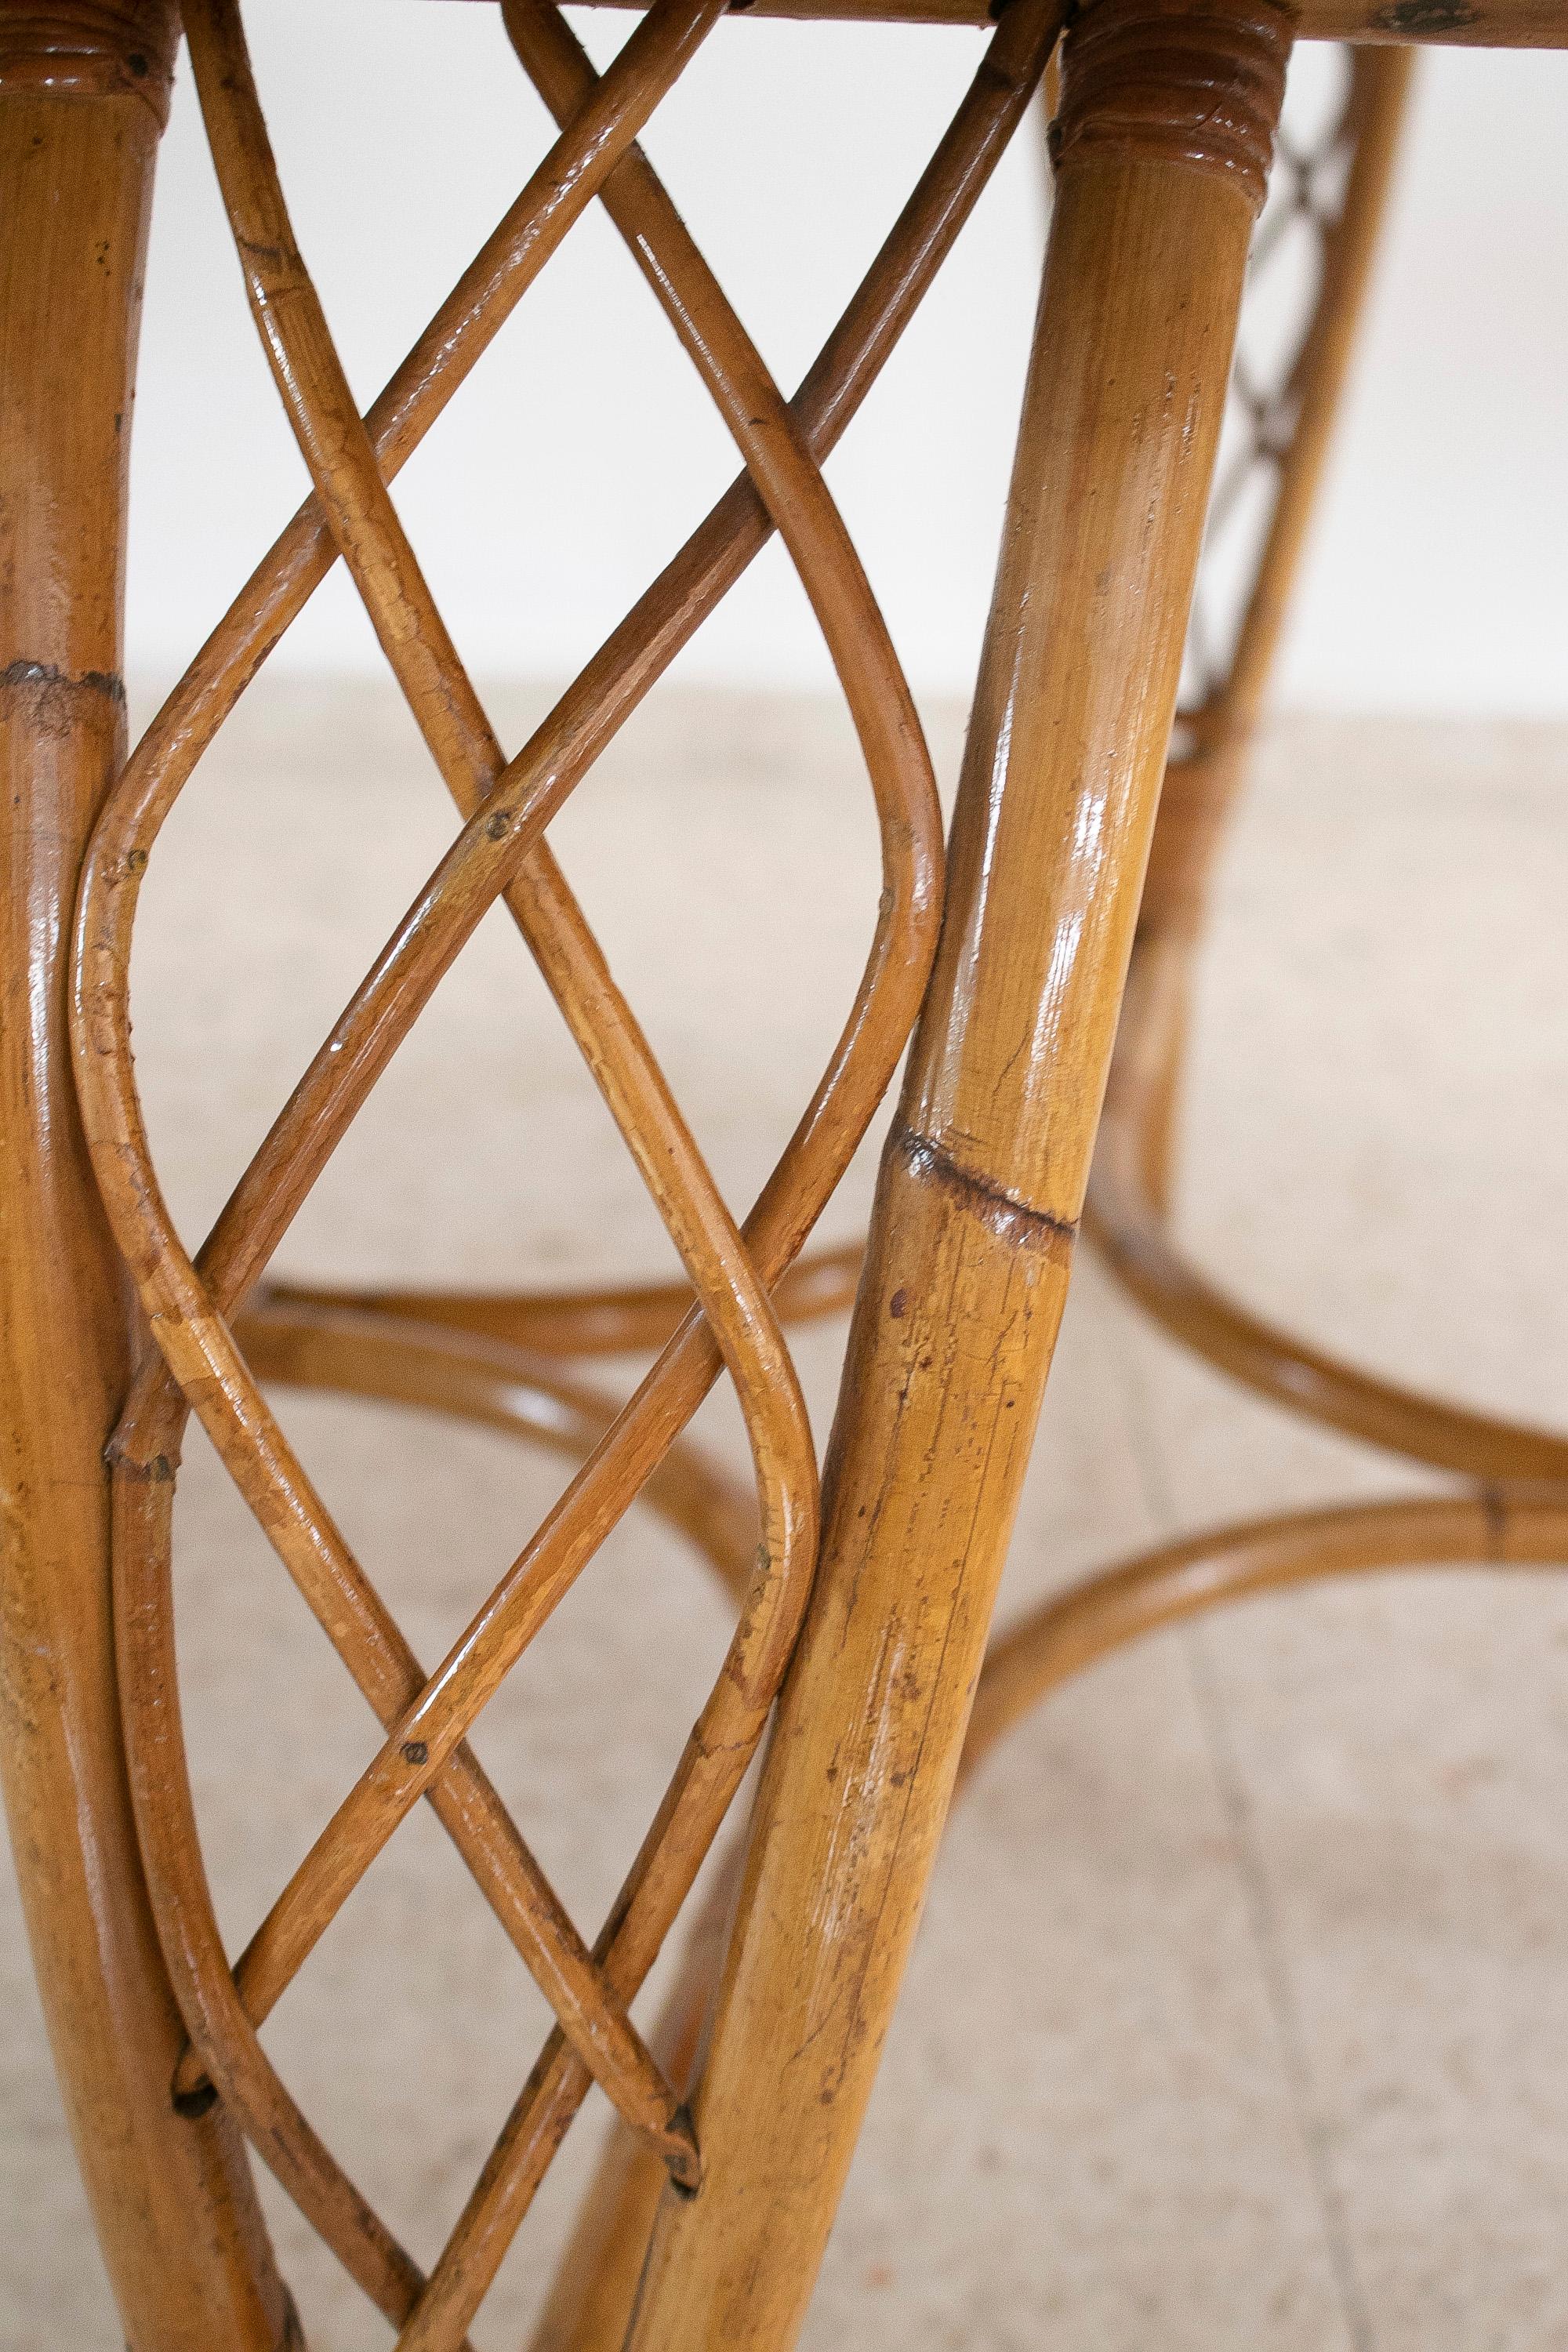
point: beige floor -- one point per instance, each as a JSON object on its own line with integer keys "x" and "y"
{"x": 1241, "y": 2017}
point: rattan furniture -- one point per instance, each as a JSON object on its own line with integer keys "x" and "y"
{"x": 1070, "y": 897}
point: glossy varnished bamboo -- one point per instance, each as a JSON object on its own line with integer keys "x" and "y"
{"x": 82, "y": 94}
{"x": 1467, "y": 23}
{"x": 1162, "y": 148}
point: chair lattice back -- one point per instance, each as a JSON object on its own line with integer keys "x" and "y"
{"x": 1291, "y": 304}
{"x": 500, "y": 852}
{"x": 192, "y": 1304}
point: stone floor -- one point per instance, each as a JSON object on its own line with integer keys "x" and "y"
{"x": 1239, "y": 2020}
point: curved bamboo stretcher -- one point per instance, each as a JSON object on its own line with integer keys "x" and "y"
{"x": 218, "y": 1330}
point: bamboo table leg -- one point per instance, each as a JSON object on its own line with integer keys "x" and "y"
{"x": 1161, "y": 148}
{"x": 82, "y": 91}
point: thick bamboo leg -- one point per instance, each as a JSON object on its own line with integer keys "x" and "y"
{"x": 83, "y": 88}
{"x": 1161, "y": 147}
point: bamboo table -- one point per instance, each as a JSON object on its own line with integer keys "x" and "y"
{"x": 863, "y": 1603}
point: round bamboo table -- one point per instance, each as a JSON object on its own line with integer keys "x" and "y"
{"x": 1107, "y": 742}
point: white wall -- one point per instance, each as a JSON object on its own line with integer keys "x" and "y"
{"x": 584, "y": 449}
{"x": 1438, "y": 576}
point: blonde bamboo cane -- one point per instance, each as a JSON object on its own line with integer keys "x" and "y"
{"x": 83, "y": 91}
{"x": 1163, "y": 149}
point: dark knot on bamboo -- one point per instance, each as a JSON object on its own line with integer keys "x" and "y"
{"x": 90, "y": 49}
{"x": 1198, "y": 82}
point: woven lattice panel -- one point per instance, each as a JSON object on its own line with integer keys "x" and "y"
{"x": 1286, "y": 289}
{"x": 208, "y": 1359}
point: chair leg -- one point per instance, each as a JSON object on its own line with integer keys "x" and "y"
{"x": 83, "y": 86}
{"x": 1205, "y": 776}
{"x": 1162, "y": 149}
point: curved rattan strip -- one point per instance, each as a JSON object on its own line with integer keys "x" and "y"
{"x": 481, "y": 1381}
{"x": 142, "y": 1500}
{"x": 895, "y": 753}
{"x": 465, "y": 750}
{"x": 388, "y": 1671}
{"x": 268, "y": 235}
{"x": 753, "y": 398}
{"x": 960, "y": 191}
{"x": 341, "y": 1351}
{"x": 637, "y": 653}
{"x": 1130, "y": 1229}
{"x": 664, "y": 619}
{"x": 464, "y": 1802}
{"x": 1090, "y": 1619}
{"x": 342, "y": 463}
{"x": 767, "y": 436}
{"x": 625, "y": 1319}
{"x": 263, "y": 1466}
{"x": 861, "y": 650}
